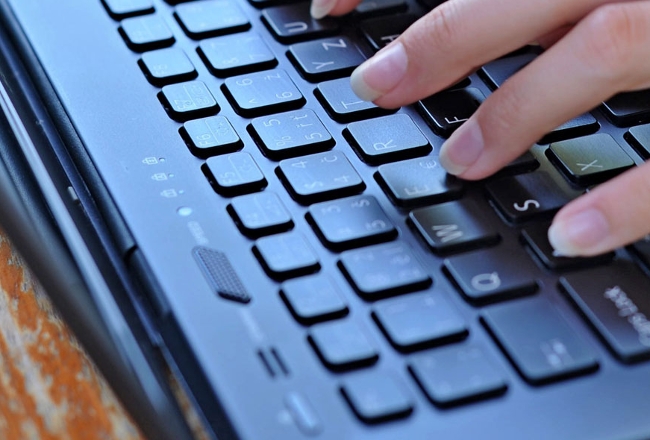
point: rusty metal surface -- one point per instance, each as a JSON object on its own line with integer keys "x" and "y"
{"x": 49, "y": 389}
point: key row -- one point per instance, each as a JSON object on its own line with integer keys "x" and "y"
{"x": 198, "y": 19}
{"x": 545, "y": 350}
{"x": 447, "y": 377}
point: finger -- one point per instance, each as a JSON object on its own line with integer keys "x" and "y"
{"x": 554, "y": 36}
{"x": 321, "y": 8}
{"x": 454, "y": 39}
{"x": 603, "y": 54}
{"x": 612, "y": 215}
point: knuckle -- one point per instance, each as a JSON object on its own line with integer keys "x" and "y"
{"x": 612, "y": 32}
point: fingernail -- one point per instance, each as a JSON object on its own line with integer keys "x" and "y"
{"x": 320, "y": 8}
{"x": 381, "y": 73}
{"x": 462, "y": 149}
{"x": 579, "y": 233}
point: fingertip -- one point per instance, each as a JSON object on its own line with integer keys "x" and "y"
{"x": 381, "y": 73}
{"x": 360, "y": 87}
{"x": 583, "y": 233}
{"x": 462, "y": 149}
{"x": 321, "y": 8}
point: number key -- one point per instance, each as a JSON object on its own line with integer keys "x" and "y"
{"x": 188, "y": 100}
{"x": 167, "y": 66}
{"x": 210, "y": 136}
{"x": 263, "y": 93}
{"x": 236, "y": 54}
{"x": 350, "y": 222}
{"x": 383, "y": 270}
{"x": 291, "y": 134}
{"x": 320, "y": 177}
{"x": 234, "y": 174}
{"x": 146, "y": 33}
{"x": 210, "y": 18}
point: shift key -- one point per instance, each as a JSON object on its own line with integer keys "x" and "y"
{"x": 539, "y": 341}
{"x": 615, "y": 300}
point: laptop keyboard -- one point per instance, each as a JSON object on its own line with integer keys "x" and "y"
{"x": 489, "y": 237}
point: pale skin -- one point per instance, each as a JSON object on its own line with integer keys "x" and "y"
{"x": 594, "y": 49}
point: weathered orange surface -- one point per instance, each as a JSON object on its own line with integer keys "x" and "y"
{"x": 49, "y": 389}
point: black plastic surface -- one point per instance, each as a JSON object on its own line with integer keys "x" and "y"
{"x": 131, "y": 139}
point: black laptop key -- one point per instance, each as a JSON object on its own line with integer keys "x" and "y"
{"x": 210, "y": 136}
{"x": 269, "y": 3}
{"x": 615, "y": 301}
{"x": 529, "y": 196}
{"x": 291, "y": 134}
{"x": 417, "y": 321}
{"x": 495, "y": 73}
{"x": 431, "y": 4}
{"x": 387, "y": 139}
{"x": 234, "y": 174}
{"x": 590, "y": 160}
{"x": 454, "y": 226}
{"x": 286, "y": 255}
{"x": 320, "y": 177}
{"x": 236, "y": 54}
{"x": 351, "y": 222}
{"x": 447, "y": 110}
{"x": 536, "y": 237}
{"x": 457, "y": 374}
{"x": 342, "y": 345}
{"x": 492, "y": 275}
{"x": 417, "y": 182}
{"x": 260, "y": 214}
{"x": 382, "y": 30}
{"x": 631, "y": 108}
{"x": 263, "y": 93}
{"x": 327, "y": 58}
{"x": 167, "y": 66}
{"x": 371, "y": 8}
{"x": 210, "y": 18}
{"x": 343, "y": 105}
{"x": 639, "y": 138}
{"x": 539, "y": 341}
{"x": 641, "y": 250}
{"x": 522, "y": 164}
{"x": 188, "y": 100}
{"x": 313, "y": 299}
{"x": 376, "y": 397}
{"x": 293, "y": 23}
{"x": 120, "y": 9}
{"x": 582, "y": 125}
{"x": 384, "y": 270}
{"x": 145, "y": 33}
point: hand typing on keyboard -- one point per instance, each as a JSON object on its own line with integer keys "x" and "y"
{"x": 594, "y": 49}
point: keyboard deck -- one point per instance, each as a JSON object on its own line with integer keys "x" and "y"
{"x": 330, "y": 279}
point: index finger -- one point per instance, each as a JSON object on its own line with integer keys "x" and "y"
{"x": 453, "y": 40}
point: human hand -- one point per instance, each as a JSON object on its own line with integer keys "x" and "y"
{"x": 595, "y": 49}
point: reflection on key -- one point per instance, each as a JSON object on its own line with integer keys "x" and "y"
{"x": 540, "y": 343}
{"x": 320, "y": 177}
{"x": 384, "y": 270}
